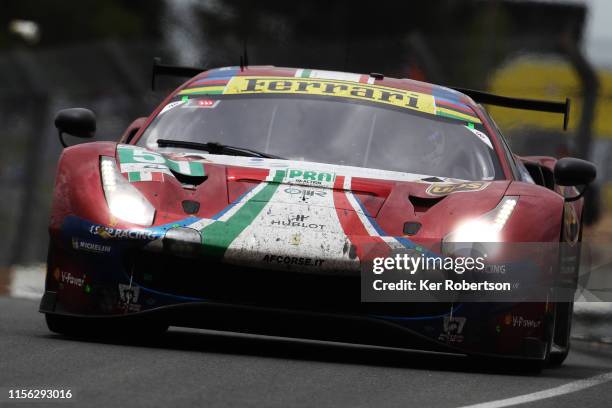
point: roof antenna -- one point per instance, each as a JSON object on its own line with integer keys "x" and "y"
{"x": 244, "y": 58}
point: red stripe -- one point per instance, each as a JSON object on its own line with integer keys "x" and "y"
{"x": 157, "y": 176}
{"x": 351, "y": 223}
{"x": 211, "y": 82}
{"x": 449, "y": 105}
{"x": 363, "y": 79}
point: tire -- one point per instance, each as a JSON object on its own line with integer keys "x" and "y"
{"x": 561, "y": 339}
{"x": 61, "y": 324}
{"x": 564, "y": 311}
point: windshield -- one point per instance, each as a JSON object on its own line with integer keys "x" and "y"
{"x": 331, "y": 130}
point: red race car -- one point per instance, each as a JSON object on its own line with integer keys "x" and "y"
{"x": 248, "y": 199}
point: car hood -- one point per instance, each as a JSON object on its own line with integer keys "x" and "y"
{"x": 297, "y": 214}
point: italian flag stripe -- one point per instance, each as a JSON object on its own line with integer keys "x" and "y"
{"x": 188, "y": 168}
{"x": 196, "y": 169}
{"x": 134, "y": 176}
{"x": 218, "y": 236}
{"x": 145, "y": 176}
{"x": 202, "y": 89}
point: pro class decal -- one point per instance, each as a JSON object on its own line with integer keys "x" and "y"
{"x": 438, "y": 189}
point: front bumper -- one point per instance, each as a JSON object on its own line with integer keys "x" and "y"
{"x": 101, "y": 277}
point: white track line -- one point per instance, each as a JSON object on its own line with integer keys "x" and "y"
{"x": 550, "y": 393}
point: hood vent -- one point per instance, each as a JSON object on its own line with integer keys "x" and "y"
{"x": 188, "y": 181}
{"x": 422, "y": 204}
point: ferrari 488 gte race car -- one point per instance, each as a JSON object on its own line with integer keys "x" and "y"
{"x": 244, "y": 203}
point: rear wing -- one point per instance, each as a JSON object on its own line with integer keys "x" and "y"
{"x": 518, "y": 103}
{"x": 172, "y": 70}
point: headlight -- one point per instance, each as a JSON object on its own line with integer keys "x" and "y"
{"x": 486, "y": 228}
{"x": 124, "y": 200}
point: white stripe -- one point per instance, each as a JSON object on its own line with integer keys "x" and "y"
{"x": 184, "y": 167}
{"x": 271, "y": 234}
{"x": 204, "y": 222}
{"x": 550, "y": 393}
{"x": 146, "y": 176}
{"x": 298, "y": 73}
{"x": 335, "y": 75}
{"x": 371, "y": 80}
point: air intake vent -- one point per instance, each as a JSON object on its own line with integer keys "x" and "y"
{"x": 422, "y": 205}
{"x": 190, "y": 206}
{"x": 189, "y": 181}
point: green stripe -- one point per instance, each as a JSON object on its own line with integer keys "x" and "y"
{"x": 207, "y": 92}
{"x": 448, "y": 115}
{"x": 306, "y": 73}
{"x": 196, "y": 169}
{"x": 126, "y": 155}
{"x": 218, "y": 236}
{"x": 134, "y": 176}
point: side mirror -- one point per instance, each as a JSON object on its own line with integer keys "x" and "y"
{"x": 574, "y": 172}
{"x": 570, "y": 171}
{"x": 78, "y": 122}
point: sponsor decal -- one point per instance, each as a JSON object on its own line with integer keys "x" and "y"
{"x": 495, "y": 269}
{"x": 439, "y": 189}
{"x": 521, "y": 323}
{"x": 171, "y": 105}
{"x": 452, "y": 327}
{"x": 293, "y": 260}
{"x": 81, "y": 245}
{"x": 128, "y": 297}
{"x": 70, "y": 279}
{"x": 300, "y": 221}
{"x": 484, "y": 138}
{"x": 240, "y": 85}
{"x": 118, "y": 233}
{"x": 202, "y": 103}
{"x": 310, "y": 177}
{"x": 296, "y": 239}
{"x": 335, "y": 84}
{"x": 305, "y": 193}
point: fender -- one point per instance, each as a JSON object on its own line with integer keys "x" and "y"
{"x": 535, "y": 203}
{"x": 79, "y": 166}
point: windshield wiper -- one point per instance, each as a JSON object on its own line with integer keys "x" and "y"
{"x": 215, "y": 148}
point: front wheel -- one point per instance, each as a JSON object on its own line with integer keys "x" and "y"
{"x": 560, "y": 346}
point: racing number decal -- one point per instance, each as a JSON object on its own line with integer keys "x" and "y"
{"x": 144, "y": 156}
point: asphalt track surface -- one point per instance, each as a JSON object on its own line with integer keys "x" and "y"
{"x": 210, "y": 369}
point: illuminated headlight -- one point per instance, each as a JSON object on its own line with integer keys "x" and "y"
{"x": 124, "y": 200}
{"x": 487, "y": 228}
